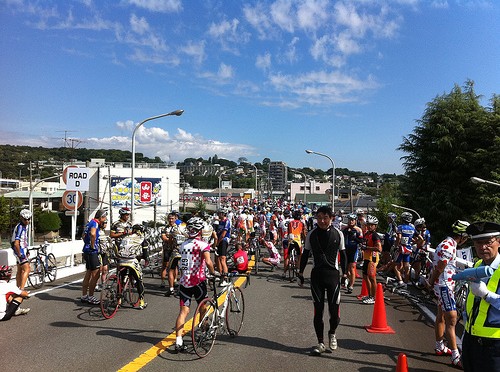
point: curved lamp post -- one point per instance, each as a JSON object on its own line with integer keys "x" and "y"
{"x": 480, "y": 180}
{"x": 132, "y": 189}
{"x": 333, "y": 174}
{"x": 408, "y": 209}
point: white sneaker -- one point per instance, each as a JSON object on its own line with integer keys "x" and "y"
{"x": 223, "y": 284}
{"x": 332, "y": 341}
{"x": 21, "y": 311}
{"x": 369, "y": 300}
{"x": 317, "y": 350}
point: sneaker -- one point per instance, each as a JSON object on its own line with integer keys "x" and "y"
{"x": 84, "y": 299}
{"x": 349, "y": 290}
{"x": 180, "y": 348}
{"x": 444, "y": 351}
{"x": 142, "y": 305}
{"x": 162, "y": 284}
{"x": 21, "y": 311}
{"x": 332, "y": 341}
{"x": 456, "y": 362}
{"x": 317, "y": 350}
{"x": 368, "y": 300}
{"x": 223, "y": 284}
{"x": 93, "y": 300}
{"x": 169, "y": 293}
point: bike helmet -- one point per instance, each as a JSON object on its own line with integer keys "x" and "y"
{"x": 287, "y": 213}
{"x": 297, "y": 214}
{"x": 360, "y": 211}
{"x": 406, "y": 217}
{"x": 25, "y": 213}
{"x": 372, "y": 220}
{"x": 351, "y": 216}
{"x": 101, "y": 213}
{"x": 392, "y": 215}
{"x": 459, "y": 227}
{"x": 194, "y": 226}
{"x": 419, "y": 222}
{"x": 124, "y": 210}
{"x": 5, "y": 272}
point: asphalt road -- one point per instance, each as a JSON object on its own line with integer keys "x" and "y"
{"x": 60, "y": 334}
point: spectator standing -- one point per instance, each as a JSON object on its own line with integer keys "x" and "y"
{"x": 19, "y": 244}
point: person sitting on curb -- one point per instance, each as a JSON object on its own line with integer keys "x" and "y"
{"x": 11, "y": 296}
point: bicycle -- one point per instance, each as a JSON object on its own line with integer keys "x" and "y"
{"x": 254, "y": 250}
{"x": 420, "y": 268}
{"x": 43, "y": 265}
{"x": 212, "y": 317}
{"x": 293, "y": 268}
{"x": 118, "y": 289}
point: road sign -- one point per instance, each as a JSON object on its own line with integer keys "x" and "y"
{"x": 78, "y": 179}
{"x": 69, "y": 199}
{"x": 65, "y": 172}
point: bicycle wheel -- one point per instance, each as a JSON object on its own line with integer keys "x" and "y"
{"x": 292, "y": 267}
{"x": 235, "y": 311}
{"x": 130, "y": 293}
{"x": 204, "y": 329}
{"x": 110, "y": 297}
{"x": 51, "y": 267}
{"x": 37, "y": 273}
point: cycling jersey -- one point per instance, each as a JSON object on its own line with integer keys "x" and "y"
{"x": 86, "y": 237}
{"x": 241, "y": 260}
{"x": 283, "y": 228}
{"x": 406, "y": 231}
{"x": 446, "y": 252}
{"x": 224, "y": 224}
{"x": 372, "y": 240}
{"x": 192, "y": 264}
{"x": 175, "y": 235}
{"x": 273, "y": 252}
{"x": 120, "y": 227}
{"x": 297, "y": 229}
{"x": 206, "y": 233}
{"x": 20, "y": 233}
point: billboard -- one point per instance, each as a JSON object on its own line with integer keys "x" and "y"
{"x": 147, "y": 191}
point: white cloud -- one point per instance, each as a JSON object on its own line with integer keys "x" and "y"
{"x": 263, "y": 62}
{"x": 163, "y": 6}
{"x": 440, "y": 4}
{"x": 321, "y": 87}
{"x": 257, "y": 17}
{"x": 229, "y": 35}
{"x": 139, "y": 25}
{"x": 195, "y": 50}
{"x": 225, "y": 72}
{"x": 312, "y": 14}
{"x": 281, "y": 13}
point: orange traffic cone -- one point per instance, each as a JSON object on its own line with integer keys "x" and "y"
{"x": 379, "y": 320}
{"x": 364, "y": 290}
{"x": 402, "y": 365}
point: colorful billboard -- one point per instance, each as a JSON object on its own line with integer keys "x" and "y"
{"x": 147, "y": 191}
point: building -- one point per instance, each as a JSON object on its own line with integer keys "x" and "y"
{"x": 278, "y": 175}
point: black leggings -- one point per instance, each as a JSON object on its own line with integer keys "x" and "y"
{"x": 325, "y": 279}
{"x": 137, "y": 275}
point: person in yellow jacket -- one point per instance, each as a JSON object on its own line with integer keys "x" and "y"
{"x": 481, "y": 343}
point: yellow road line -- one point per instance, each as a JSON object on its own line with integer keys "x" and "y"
{"x": 168, "y": 341}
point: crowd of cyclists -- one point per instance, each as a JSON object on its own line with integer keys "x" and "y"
{"x": 230, "y": 235}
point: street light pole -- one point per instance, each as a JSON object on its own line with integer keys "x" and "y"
{"x": 255, "y": 177}
{"x": 132, "y": 188}
{"x": 408, "y": 209}
{"x": 480, "y": 180}
{"x": 333, "y": 174}
{"x": 305, "y": 183}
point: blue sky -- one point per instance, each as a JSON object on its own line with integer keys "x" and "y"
{"x": 256, "y": 78}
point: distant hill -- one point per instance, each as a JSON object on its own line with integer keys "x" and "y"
{"x": 15, "y": 160}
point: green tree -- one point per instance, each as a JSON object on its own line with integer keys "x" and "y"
{"x": 47, "y": 221}
{"x": 455, "y": 139}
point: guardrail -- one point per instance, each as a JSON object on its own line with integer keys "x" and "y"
{"x": 64, "y": 252}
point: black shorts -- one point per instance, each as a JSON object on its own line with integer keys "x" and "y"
{"x": 199, "y": 292}
{"x": 92, "y": 260}
{"x": 352, "y": 254}
{"x": 104, "y": 259}
{"x": 222, "y": 248}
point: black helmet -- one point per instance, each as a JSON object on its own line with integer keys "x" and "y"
{"x": 138, "y": 227}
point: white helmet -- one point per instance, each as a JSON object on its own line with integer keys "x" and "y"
{"x": 194, "y": 226}
{"x": 25, "y": 213}
{"x": 372, "y": 220}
